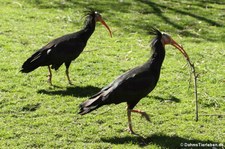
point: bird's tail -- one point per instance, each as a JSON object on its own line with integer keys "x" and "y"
{"x": 93, "y": 103}
{"x": 33, "y": 62}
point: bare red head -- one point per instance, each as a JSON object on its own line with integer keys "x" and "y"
{"x": 167, "y": 39}
{"x": 98, "y": 17}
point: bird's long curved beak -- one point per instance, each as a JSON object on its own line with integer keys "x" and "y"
{"x": 176, "y": 45}
{"x": 103, "y": 23}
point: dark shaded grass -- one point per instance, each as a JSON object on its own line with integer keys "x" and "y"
{"x": 77, "y": 91}
{"x": 150, "y": 9}
{"x": 164, "y": 141}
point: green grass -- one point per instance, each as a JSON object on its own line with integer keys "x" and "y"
{"x": 35, "y": 115}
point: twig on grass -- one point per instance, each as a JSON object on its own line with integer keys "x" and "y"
{"x": 219, "y": 115}
{"x": 195, "y": 83}
{"x": 195, "y": 86}
{"x": 195, "y": 90}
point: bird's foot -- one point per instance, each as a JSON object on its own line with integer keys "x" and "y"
{"x": 70, "y": 83}
{"x": 146, "y": 116}
{"x": 50, "y": 81}
{"x": 130, "y": 130}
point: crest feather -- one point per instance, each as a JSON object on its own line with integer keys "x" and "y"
{"x": 155, "y": 31}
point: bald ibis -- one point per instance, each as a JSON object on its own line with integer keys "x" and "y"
{"x": 136, "y": 83}
{"x": 64, "y": 49}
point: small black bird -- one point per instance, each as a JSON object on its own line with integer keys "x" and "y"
{"x": 64, "y": 49}
{"x": 136, "y": 83}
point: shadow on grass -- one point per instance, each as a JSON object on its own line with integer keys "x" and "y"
{"x": 164, "y": 141}
{"x": 31, "y": 107}
{"x": 157, "y": 7}
{"x": 77, "y": 91}
{"x": 150, "y": 7}
{"x": 170, "y": 99}
{"x": 101, "y": 6}
{"x": 158, "y": 10}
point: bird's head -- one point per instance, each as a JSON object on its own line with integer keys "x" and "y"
{"x": 167, "y": 39}
{"x": 96, "y": 16}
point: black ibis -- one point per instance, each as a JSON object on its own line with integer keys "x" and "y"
{"x": 136, "y": 83}
{"x": 64, "y": 49}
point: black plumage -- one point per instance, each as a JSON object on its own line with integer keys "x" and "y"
{"x": 64, "y": 49}
{"x": 135, "y": 84}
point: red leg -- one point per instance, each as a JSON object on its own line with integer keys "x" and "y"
{"x": 67, "y": 64}
{"x": 143, "y": 114}
{"x": 68, "y": 77}
{"x": 50, "y": 76}
{"x": 129, "y": 121}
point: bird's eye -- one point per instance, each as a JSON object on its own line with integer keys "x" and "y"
{"x": 96, "y": 13}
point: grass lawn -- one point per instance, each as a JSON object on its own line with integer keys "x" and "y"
{"x": 36, "y": 115}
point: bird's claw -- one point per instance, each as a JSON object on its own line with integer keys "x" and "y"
{"x": 130, "y": 130}
{"x": 70, "y": 83}
{"x": 50, "y": 81}
{"x": 146, "y": 116}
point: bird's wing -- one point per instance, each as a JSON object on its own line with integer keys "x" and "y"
{"x": 66, "y": 40}
{"x": 133, "y": 82}
{"x": 129, "y": 87}
{"x": 65, "y": 48}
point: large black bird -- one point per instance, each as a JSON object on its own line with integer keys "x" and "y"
{"x": 64, "y": 49}
{"x": 136, "y": 83}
